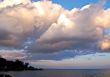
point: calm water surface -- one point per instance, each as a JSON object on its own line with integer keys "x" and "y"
{"x": 61, "y": 73}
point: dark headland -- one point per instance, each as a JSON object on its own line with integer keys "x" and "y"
{"x": 3, "y": 75}
{"x": 17, "y": 65}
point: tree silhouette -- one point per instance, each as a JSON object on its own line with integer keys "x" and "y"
{"x": 16, "y": 65}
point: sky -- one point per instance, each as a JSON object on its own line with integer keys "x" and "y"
{"x": 56, "y": 34}
{"x": 70, "y": 4}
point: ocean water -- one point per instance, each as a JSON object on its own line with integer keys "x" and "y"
{"x": 61, "y": 73}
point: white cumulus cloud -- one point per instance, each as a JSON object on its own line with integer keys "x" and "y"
{"x": 44, "y": 26}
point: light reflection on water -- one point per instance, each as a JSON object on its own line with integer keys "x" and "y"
{"x": 62, "y": 73}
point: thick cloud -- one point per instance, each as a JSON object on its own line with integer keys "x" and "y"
{"x": 11, "y": 3}
{"x": 18, "y": 22}
{"x": 76, "y": 29}
{"x": 47, "y": 27}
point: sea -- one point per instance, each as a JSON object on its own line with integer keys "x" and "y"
{"x": 60, "y": 73}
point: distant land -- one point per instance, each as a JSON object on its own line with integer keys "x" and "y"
{"x": 3, "y": 75}
{"x": 17, "y": 65}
